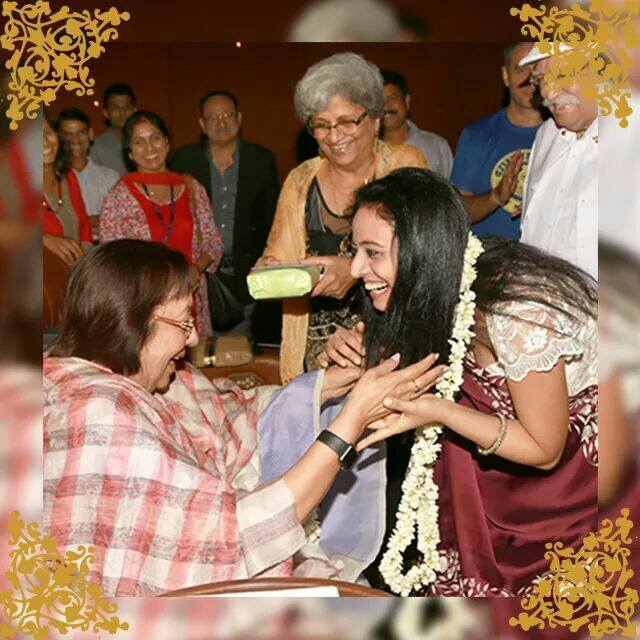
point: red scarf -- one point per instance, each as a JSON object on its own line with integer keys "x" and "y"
{"x": 171, "y": 224}
{"x": 52, "y": 224}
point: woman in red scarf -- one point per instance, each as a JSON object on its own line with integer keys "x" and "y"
{"x": 152, "y": 203}
{"x": 65, "y": 223}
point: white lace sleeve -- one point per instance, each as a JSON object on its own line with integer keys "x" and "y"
{"x": 533, "y": 337}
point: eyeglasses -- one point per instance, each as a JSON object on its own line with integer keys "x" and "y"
{"x": 222, "y": 117}
{"x": 345, "y": 127}
{"x": 186, "y": 325}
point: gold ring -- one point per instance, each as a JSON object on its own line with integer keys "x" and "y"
{"x": 415, "y": 386}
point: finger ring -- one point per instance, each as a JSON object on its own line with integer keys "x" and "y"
{"x": 415, "y": 386}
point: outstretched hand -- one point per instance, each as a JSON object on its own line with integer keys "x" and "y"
{"x": 404, "y": 415}
{"x": 364, "y": 404}
{"x": 503, "y": 191}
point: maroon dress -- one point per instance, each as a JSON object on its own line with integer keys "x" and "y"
{"x": 496, "y": 516}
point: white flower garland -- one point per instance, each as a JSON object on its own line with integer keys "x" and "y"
{"x": 419, "y": 503}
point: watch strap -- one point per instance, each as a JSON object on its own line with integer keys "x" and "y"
{"x": 346, "y": 452}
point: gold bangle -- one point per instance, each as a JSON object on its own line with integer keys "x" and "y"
{"x": 497, "y": 443}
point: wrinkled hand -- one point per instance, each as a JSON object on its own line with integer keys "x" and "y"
{"x": 338, "y": 381}
{"x": 67, "y": 249}
{"x": 336, "y": 279}
{"x": 265, "y": 261}
{"x": 405, "y": 415}
{"x": 503, "y": 191}
{"x": 345, "y": 347}
{"x": 364, "y": 404}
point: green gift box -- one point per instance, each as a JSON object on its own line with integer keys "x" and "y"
{"x": 283, "y": 281}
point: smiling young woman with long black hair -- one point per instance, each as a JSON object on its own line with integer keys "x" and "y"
{"x": 519, "y": 453}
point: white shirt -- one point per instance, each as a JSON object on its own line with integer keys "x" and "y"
{"x": 434, "y": 148}
{"x": 95, "y": 180}
{"x": 560, "y": 208}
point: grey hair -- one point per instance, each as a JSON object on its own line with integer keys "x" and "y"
{"x": 345, "y": 21}
{"x": 346, "y": 74}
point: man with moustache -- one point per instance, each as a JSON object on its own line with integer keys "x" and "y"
{"x": 560, "y": 213}
{"x": 399, "y": 129}
{"x": 94, "y": 179}
{"x": 492, "y": 153}
{"x": 241, "y": 179}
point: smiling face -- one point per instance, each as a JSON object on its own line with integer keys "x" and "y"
{"x": 569, "y": 106}
{"x": 149, "y": 147}
{"x": 50, "y": 143}
{"x": 346, "y": 150}
{"x": 220, "y": 121}
{"x": 376, "y": 260}
{"x": 78, "y": 137}
{"x": 166, "y": 344}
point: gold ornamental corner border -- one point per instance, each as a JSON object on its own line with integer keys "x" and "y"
{"x": 50, "y": 50}
{"x": 593, "y": 48}
{"x": 49, "y": 590}
{"x": 588, "y": 587}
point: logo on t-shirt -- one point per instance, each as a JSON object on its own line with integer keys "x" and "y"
{"x": 515, "y": 203}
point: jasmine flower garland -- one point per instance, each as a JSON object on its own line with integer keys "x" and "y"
{"x": 419, "y": 504}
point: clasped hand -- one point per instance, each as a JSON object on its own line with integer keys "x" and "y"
{"x": 401, "y": 408}
{"x": 364, "y": 405}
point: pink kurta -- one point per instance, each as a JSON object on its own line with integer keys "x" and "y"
{"x": 122, "y": 216}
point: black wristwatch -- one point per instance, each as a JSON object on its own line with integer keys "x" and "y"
{"x": 346, "y": 452}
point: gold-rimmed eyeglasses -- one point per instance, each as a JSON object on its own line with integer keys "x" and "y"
{"x": 345, "y": 127}
{"x": 186, "y": 325}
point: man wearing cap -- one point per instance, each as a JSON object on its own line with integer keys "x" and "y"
{"x": 560, "y": 210}
{"x": 494, "y": 147}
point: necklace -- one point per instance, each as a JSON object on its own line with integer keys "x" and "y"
{"x": 158, "y": 213}
{"x": 47, "y": 200}
{"x": 335, "y": 190}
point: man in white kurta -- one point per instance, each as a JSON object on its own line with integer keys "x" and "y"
{"x": 560, "y": 209}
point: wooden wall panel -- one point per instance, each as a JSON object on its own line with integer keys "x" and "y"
{"x": 451, "y": 83}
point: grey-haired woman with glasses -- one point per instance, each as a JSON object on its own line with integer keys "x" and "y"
{"x": 340, "y": 99}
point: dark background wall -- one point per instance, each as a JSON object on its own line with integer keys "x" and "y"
{"x": 451, "y": 83}
{"x": 269, "y": 20}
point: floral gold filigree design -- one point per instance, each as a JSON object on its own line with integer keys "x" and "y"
{"x": 591, "y": 47}
{"x": 51, "y": 50}
{"x": 586, "y": 587}
{"x": 51, "y": 590}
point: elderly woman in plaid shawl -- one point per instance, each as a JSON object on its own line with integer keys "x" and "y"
{"x": 158, "y": 468}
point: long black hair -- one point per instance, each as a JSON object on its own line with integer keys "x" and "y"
{"x": 62, "y": 161}
{"x": 431, "y": 226}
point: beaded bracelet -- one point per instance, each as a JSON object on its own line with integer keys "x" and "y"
{"x": 498, "y": 441}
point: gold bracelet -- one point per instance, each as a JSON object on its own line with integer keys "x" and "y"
{"x": 497, "y": 443}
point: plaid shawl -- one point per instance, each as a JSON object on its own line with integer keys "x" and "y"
{"x": 164, "y": 487}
